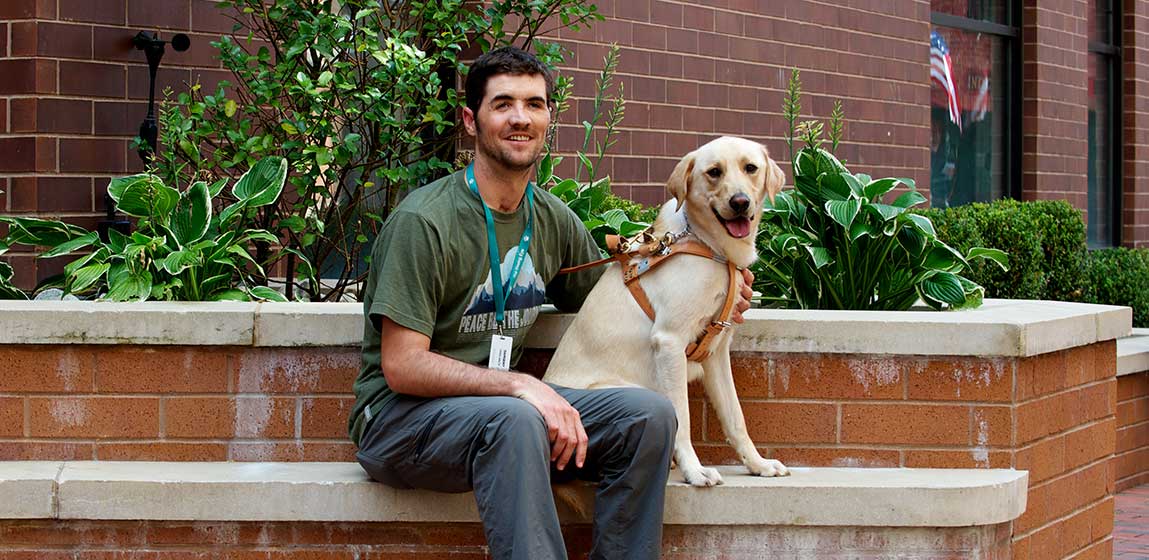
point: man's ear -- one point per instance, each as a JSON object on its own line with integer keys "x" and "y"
{"x": 469, "y": 121}
{"x": 679, "y": 182}
{"x": 774, "y": 176}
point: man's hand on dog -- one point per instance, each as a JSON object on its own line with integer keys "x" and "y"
{"x": 744, "y": 296}
{"x": 564, "y": 427}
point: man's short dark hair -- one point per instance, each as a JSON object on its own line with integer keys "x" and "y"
{"x": 504, "y": 60}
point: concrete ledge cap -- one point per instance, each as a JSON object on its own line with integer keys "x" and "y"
{"x": 309, "y": 324}
{"x": 158, "y": 323}
{"x": 1133, "y": 353}
{"x": 342, "y": 492}
{"x": 1009, "y": 328}
{"x": 29, "y": 488}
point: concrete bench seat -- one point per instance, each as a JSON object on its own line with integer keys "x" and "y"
{"x": 341, "y": 492}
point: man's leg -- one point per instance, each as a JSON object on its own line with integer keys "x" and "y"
{"x": 496, "y": 446}
{"x": 631, "y": 439}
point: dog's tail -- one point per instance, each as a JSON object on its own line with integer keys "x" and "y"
{"x": 575, "y": 500}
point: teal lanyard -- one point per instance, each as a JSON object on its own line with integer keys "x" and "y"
{"x": 503, "y": 292}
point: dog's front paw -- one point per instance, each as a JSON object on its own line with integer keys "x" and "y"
{"x": 702, "y": 476}
{"x": 767, "y": 467}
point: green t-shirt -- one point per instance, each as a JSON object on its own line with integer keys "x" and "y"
{"x": 431, "y": 273}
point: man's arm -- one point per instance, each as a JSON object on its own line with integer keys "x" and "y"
{"x": 410, "y": 367}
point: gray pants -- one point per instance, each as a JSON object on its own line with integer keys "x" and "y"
{"x": 498, "y": 447}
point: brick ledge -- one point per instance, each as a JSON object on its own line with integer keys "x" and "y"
{"x": 341, "y": 492}
{"x": 1133, "y": 353}
{"x": 1009, "y": 328}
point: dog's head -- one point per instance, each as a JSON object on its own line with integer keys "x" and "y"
{"x": 723, "y": 185}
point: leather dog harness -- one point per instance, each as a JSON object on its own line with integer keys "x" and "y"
{"x": 649, "y": 256}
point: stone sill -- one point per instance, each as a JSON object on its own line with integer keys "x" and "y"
{"x": 341, "y": 492}
{"x": 1007, "y": 328}
{"x": 1133, "y": 353}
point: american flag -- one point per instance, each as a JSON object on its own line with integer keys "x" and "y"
{"x": 941, "y": 71}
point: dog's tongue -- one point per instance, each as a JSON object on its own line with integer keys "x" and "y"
{"x": 738, "y": 227}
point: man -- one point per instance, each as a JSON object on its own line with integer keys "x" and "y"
{"x": 457, "y": 277}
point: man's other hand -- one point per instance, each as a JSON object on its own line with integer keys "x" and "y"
{"x": 564, "y": 427}
{"x": 744, "y": 295}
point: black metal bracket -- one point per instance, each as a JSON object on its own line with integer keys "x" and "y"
{"x": 153, "y": 48}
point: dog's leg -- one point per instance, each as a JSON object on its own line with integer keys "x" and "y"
{"x": 718, "y": 381}
{"x": 670, "y": 362}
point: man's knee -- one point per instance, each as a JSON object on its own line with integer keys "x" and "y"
{"x": 516, "y": 419}
{"x": 654, "y": 410}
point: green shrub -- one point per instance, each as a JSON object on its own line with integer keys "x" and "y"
{"x": 1119, "y": 276}
{"x": 1045, "y": 241}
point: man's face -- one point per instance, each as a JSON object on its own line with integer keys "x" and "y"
{"x": 511, "y": 125}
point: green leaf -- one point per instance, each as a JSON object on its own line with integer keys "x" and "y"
{"x": 265, "y": 293}
{"x": 230, "y": 295}
{"x": 820, "y": 255}
{"x": 884, "y": 212}
{"x": 844, "y": 211}
{"x": 87, "y": 276}
{"x": 942, "y": 258}
{"x": 923, "y": 224}
{"x": 996, "y": 255}
{"x": 912, "y": 240}
{"x": 945, "y": 288}
{"x": 782, "y": 244}
{"x": 294, "y": 223}
{"x": 614, "y": 217}
{"x": 72, "y": 245}
{"x": 192, "y": 215}
{"x": 216, "y": 188}
{"x": 262, "y": 184}
{"x": 807, "y": 286}
{"x": 129, "y": 285}
{"x": 909, "y": 199}
{"x": 857, "y": 187}
{"x": 546, "y": 169}
{"x": 629, "y": 228}
{"x": 229, "y": 108}
{"x": 144, "y": 196}
{"x": 860, "y": 228}
{"x": 875, "y": 189}
{"x": 974, "y": 294}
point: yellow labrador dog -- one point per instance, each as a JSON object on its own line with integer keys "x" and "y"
{"x": 719, "y": 191}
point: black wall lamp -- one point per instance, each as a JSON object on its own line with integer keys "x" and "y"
{"x": 153, "y": 48}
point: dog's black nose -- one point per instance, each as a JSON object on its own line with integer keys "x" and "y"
{"x": 740, "y": 203}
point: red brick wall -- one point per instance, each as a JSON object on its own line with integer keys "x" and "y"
{"x": 1054, "y": 102}
{"x": 1135, "y": 153}
{"x": 1054, "y": 415}
{"x": 1132, "y": 460}
{"x": 693, "y": 71}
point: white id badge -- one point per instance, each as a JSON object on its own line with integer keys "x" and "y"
{"x": 500, "y": 357}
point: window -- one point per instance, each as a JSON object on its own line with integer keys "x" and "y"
{"x": 974, "y": 131}
{"x": 1104, "y": 178}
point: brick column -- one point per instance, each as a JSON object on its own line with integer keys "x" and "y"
{"x": 1055, "y": 103}
{"x": 1135, "y": 117}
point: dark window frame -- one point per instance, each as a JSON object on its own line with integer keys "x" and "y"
{"x": 1010, "y": 32}
{"x": 1111, "y": 52}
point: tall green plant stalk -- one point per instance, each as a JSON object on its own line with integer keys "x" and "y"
{"x": 792, "y": 109}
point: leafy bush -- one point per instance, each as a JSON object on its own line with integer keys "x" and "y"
{"x": 1045, "y": 241}
{"x": 181, "y": 249}
{"x": 360, "y": 99}
{"x": 1119, "y": 276}
{"x": 832, "y": 243}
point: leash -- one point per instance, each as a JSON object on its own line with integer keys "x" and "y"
{"x": 648, "y": 255}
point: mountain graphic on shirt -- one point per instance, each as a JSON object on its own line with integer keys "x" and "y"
{"x": 528, "y": 291}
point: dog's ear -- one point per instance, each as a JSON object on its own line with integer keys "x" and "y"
{"x": 774, "y": 176}
{"x": 679, "y": 182}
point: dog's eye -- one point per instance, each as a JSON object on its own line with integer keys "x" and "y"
{"x": 751, "y": 169}
{"x": 714, "y": 172}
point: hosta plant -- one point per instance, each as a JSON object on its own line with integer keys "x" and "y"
{"x": 835, "y": 241}
{"x": 181, "y": 250}
{"x": 7, "y": 290}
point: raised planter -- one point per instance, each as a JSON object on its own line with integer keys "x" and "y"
{"x": 1132, "y": 454}
{"x": 1013, "y": 385}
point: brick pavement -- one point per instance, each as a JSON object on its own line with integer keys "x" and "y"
{"x": 1131, "y": 529}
